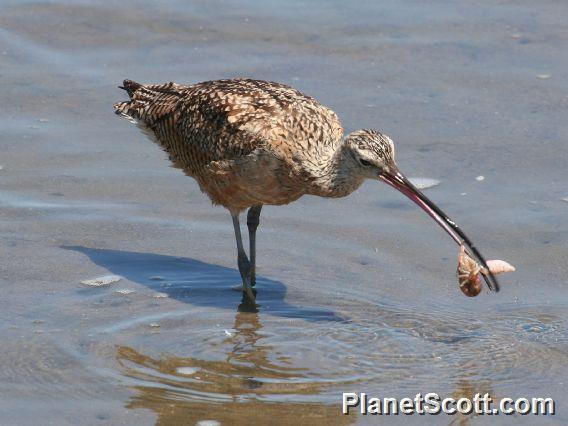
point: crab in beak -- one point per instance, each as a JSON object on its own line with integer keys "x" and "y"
{"x": 398, "y": 181}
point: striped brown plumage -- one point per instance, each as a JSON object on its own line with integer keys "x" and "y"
{"x": 246, "y": 142}
{"x": 251, "y": 142}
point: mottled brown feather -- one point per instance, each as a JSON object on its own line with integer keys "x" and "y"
{"x": 245, "y": 141}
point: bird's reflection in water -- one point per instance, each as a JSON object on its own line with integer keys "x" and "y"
{"x": 245, "y": 387}
{"x": 467, "y": 388}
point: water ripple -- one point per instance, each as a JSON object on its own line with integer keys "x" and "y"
{"x": 269, "y": 357}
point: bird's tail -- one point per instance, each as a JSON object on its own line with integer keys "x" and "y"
{"x": 148, "y": 102}
{"x": 130, "y": 86}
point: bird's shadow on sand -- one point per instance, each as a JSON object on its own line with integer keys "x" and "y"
{"x": 198, "y": 283}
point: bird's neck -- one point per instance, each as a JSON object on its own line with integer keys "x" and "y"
{"x": 338, "y": 176}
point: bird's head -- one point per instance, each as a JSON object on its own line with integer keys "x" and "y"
{"x": 372, "y": 156}
{"x": 372, "y": 152}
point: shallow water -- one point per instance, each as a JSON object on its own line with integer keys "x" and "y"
{"x": 356, "y": 294}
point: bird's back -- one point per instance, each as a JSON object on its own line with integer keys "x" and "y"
{"x": 226, "y": 122}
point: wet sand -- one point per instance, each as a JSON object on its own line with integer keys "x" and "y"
{"x": 356, "y": 294}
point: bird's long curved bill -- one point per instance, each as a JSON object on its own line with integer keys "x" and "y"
{"x": 398, "y": 181}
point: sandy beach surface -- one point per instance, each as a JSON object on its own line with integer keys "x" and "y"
{"x": 356, "y": 294}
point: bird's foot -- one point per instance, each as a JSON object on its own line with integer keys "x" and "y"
{"x": 245, "y": 268}
{"x": 241, "y": 289}
{"x": 246, "y": 305}
{"x": 248, "y": 291}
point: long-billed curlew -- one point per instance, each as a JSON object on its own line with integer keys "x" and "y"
{"x": 251, "y": 142}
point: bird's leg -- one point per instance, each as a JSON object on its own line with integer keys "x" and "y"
{"x": 243, "y": 262}
{"x": 253, "y": 217}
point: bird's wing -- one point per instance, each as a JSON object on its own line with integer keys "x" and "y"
{"x": 238, "y": 116}
{"x": 228, "y": 119}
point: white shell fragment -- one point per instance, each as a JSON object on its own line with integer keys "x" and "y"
{"x": 424, "y": 183}
{"x": 499, "y": 267}
{"x": 102, "y": 281}
{"x": 124, "y": 291}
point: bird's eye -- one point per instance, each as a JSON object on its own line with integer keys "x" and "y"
{"x": 365, "y": 162}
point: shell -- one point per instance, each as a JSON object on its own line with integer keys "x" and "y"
{"x": 499, "y": 267}
{"x": 469, "y": 272}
